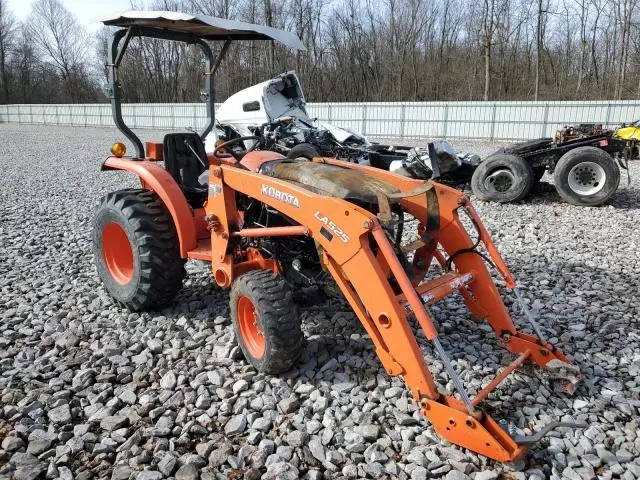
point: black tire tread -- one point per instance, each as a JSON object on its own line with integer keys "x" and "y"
{"x": 505, "y": 160}
{"x": 161, "y": 268}
{"x": 564, "y": 165}
{"x": 278, "y": 317}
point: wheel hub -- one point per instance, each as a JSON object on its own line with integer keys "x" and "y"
{"x": 499, "y": 181}
{"x": 117, "y": 253}
{"x": 252, "y": 334}
{"x": 587, "y": 178}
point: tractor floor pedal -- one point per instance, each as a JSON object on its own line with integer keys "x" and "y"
{"x": 435, "y": 290}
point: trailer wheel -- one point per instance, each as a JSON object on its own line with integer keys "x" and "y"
{"x": 502, "y": 177}
{"x": 303, "y": 150}
{"x": 586, "y": 176}
{"x": 136, "y": 249}
{"x": 265, "y": 321}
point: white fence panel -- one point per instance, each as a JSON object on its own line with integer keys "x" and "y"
{"x": 416, "y": 120}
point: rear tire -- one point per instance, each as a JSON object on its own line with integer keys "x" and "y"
{"x": 265, "y": 321}
{"x": 586, "y": 176}
{"x": 136, "y": 249}
{"x": 303, "y": 150}
{"x": 502, "y": 177}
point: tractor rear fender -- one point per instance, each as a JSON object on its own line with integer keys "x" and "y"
{"x": 155, "y": 178}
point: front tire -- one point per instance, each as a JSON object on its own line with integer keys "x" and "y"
{"x": 502, "y": 177}
{"x": 136, "y": 249}
{"x": 586, "y": 176}
{"x": 265, "y": 321}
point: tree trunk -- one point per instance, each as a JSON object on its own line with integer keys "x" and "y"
{"x": 538, "y": 50}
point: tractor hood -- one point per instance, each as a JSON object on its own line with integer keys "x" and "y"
{"x": 281, "y": 96}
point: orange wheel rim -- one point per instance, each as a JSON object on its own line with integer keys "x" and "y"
{"x": 252, "y": 334}
{"x": 117, "y": 253}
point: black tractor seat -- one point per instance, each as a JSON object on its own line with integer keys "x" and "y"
{"x": 186, "y": 159}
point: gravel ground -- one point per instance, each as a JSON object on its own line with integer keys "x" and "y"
{"x": 91, "y": 390}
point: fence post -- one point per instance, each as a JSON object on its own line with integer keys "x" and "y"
{"x": 329, "y": 113}
{"x": 446, "y": 120}
{"x": 493, "y": 121}
{"x": 195, "y": 116}
{"x": 364, "y": 119}
{"x": 607, "y": 117}
{"x": 84, "y": 113}
{"x": 545, "y": 120}
{"x": 403, "y": 119}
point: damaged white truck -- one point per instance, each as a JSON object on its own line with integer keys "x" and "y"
{"x": 272, "y": 115}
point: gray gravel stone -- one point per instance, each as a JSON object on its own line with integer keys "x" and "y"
{"x": 456, "y": 475}
{"x": 419, "y": 473}
{"x": 316, "y": 448}
{"x": 289, "y": 405}
{"x": 486, "y": 475}
{"x": 168, "y": 380}
{"x": 11, "y": 444}
{"x": 149, "y": 475}
{"x": 297, "y": 438}
{"x": 236, "y": 425}
{"x": 187, "y": 472}
{"x": 29, "y": 472}
{"x": 60, "y": 414}
{"x": 167, "y": 465}
{"x": 113, "y": 422}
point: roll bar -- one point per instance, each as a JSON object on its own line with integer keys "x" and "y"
{"x": 115, "y": 54}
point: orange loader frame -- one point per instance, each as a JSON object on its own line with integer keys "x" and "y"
{"x": 364, "y": 265}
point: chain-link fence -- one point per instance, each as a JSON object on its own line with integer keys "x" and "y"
{"x": 470, "y": 120}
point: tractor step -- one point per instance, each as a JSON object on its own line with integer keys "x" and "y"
{"x": 435, "y": 290}
{"x": 202, "y": 250}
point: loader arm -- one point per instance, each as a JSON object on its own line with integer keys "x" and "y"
{"x": 358, "y": 254}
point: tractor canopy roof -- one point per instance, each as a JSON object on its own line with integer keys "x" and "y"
{"x": 201, "y": 26}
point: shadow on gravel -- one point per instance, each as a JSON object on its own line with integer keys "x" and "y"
{"x": 626, "y": 198}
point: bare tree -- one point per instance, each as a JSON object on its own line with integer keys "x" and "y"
{"x": 357, "y": 50}
{"x": 624, "y": 10}
{"x": 7, "y": 33}
{"x": 488, "y": 28}
{"x": 61, "y": 40}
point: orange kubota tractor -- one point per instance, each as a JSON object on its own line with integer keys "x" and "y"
{"x": 269, "y": 225}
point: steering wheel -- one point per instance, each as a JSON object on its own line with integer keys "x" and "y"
{"x": 234, "y": 141}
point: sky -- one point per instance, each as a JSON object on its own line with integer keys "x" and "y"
{"x": 84, "y": 10}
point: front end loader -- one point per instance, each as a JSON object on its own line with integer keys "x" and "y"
{"x": 270, "y": 226}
